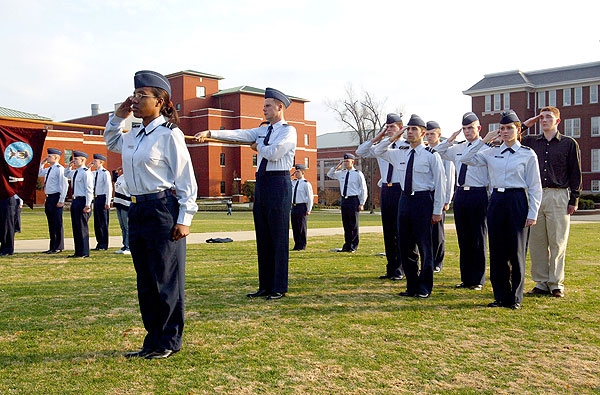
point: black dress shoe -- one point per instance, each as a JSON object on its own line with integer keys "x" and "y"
{"x": 461, "y": 285}
{"x": 160, "y": 354}
{"x": 99, "y": 249}
{"x": 384, "y": 277}
{"x": 78, "y": 256}
{"x": 139, "y": 354}
{"x": 48, "y": 251}
{"x": 496, "y": 303}
{"x": 516, "y": 306}
{"x": 258, "y": 294}
{"x": 275, "y": 295}
{"x": 396, "y": 278}
{"x": 5, "y": 253}
{"x": 407, "y": 294}
{"x": 422, "y": 295}
{"x": 55, "y": 252}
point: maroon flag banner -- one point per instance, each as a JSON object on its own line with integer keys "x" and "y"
{"x": 21, "y": 150}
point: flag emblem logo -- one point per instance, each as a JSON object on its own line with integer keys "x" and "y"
{"x": 18, "y": 154}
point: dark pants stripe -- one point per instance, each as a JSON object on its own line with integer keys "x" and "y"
{"x": 160, "y": 266}
{"x": 414, "y": 231}
{"x": 350, "y": 221}
{"x": 507, "y": 213}
{"x": 54, "y": 215}
{"x": 299, "y": 225}
{"x": 101, "y": 217}
{"x": 390, "y": 198}
{"x": 271, "y": 210}
{"x": 438, "y": 241}
{"x": 470, "y": 210}
{"x": 81, "y": 232}
{"x": 7, "y": 225}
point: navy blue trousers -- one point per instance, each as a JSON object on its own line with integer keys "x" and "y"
{"x": 470, "y": 210}
{"x": 81, "y": 232}
{"x": 350, "y": 221}
{"x": 507, "y": 213}
{"x": 159, "y": 264}
{"x": 414, "y": 232}
{"x": 7, "y": 225}
{"x": 390, "y": 199}
{"x": 54, "y": 215}
{"x": 271, "y": 210}
{"x": 101, "y": 216}
{"x": 299, "y": 225}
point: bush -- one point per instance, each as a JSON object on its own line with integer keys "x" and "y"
{"x": 248, "y": 190}
{"x": 586, "y": 204}
{"x": 593, "y": 197}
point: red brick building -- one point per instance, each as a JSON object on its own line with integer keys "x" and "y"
{"x": 222, "y": 168}
{"x": 572, "y": 89}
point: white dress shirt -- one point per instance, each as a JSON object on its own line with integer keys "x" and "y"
{"x": 367, "y": 150}
{"x": 450, "y": 173}
{"x": 281, "y": 150}
{"x": 304, "y": 194}
{"x": 121, "y": 187}
{"x": 155, "y": 160}
{"x": 357, "y": 186}
{"x": 103, "y": 183}
{"x": 509, "y": 170}
{"x": 57, "y": 182}
{"x": 84, "y": 183}
{"x": 428, "y": 170}
{"x": 476, "y": 176}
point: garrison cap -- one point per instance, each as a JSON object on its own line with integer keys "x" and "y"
{"x": 469, "y": 118}
{"x": 271, "y": 93}
{"x": 77, "y": 154}
{"x": 392, "y": 118}
{"x": 349, "y": 156}
{"x": 415, "y": 120}
{"x": 300, "y": 167}
{"x": 99, "y": 156}
{"x": 147, "y": 78}
{"x": 509, "y": 116}
{"x": 432, "y": 125}
{"x": 54, "y": 151}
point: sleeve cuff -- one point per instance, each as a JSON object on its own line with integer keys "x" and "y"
{"x": 185, "y": 218}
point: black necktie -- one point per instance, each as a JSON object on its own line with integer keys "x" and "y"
{"x": 409, "y": 173}
{"x": 344, "y": 194}
{"x": 462, "y": 175}
{"x": 95, "y": 182}
{"x": 295, "y": 191}
{"x": 74, "y": 178}
{"x": 47, "y": 176}
{"x": 390, "y": 169}
{"x": 512, "y": 151}
{"x": 263, "y": 163}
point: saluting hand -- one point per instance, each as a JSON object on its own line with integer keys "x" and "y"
{"x": 531, "y": 121}
{"x": 124, "y": 109}
{"x": 201, "y": 136}
{"x": 396, "y": 136}
{"x": 180, "y": 231}
{"x": 339, "y": 165}
{"x": 379, "y": 136}
{"x": 454, "y": 135}
{"x": 491, "y": 136}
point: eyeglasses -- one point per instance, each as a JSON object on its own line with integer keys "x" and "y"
{"x": 137, "y": 95}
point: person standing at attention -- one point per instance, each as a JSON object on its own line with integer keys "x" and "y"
{"x": 55, "y": 188}
{"x": 302, "y": 203}
{"x": 83, "y": 193}
{"x": 103, "y": 189}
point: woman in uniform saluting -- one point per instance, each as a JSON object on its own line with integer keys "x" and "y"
{"x": 516, "y": 196}
{"x": 159, "y": 173}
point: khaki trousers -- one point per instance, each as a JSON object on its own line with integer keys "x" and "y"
{"x": 548, "y": 240}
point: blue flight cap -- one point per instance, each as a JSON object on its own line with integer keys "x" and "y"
{"x": 77, "y": 154}
{"x": 432, "y": 125}
{"x": 100, "y": 156}
{"x": 54, "y": 151}
{"x": 469, "y": 118}
{"x": 349, "y": 156}
{"x": 300, "y": 167}
{"x": 147, "y": 78}
{"x": 271, "y": 93}
{"x": 392, "y": 118}
{"x": 509, "y": 116}
{"x": 415, "y": 120}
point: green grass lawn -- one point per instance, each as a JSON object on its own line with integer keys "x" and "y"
{"x": 65, "y": 324}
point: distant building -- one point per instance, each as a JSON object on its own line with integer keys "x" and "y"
{"x": 572, "y": 89}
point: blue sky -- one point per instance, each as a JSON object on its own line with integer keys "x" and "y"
{"x": 61, "y": 56}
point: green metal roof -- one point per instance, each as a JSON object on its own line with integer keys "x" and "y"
{"x": 195, "y": 73}
{"x": 7, "y": 112}
{"x": 251, "y": 90}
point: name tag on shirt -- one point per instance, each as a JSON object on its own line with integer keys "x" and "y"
{"x": 496, "y": 156}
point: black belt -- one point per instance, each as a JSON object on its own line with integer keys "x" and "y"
{"x": 472, "y": 188}
{"x": 503, "y": 190}
{"x": 298, "y": 204}
{"x": 418, "y": 193}
{"x": 121, "y": 196}
{"x": 78, "y": 197}
{"x": 151, "y": 196}
{"x": 390, "y": 184}
{"x": 348, "y": 197}
{"x": 100, "y": 195}
{"x": 52, "y": 194}
{"x": 275, "y": 173}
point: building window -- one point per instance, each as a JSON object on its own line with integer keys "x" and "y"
{"x": 178, "y": 106}
{"x": 528, "y": 105}
{"x": 567, "y": 97}
{"x": 306, "y": 163}
{"x": 578, "y": 95}
{"x": 493, "y": 126}
{"x": 200, "y": 91}
{"x": 552, "y": 98}
{"x": 596, "y": 160}
{"x": 541, "y": 99}
{"x": 595, "y": 185}
{"x": 222, "y": 159}
{"x": 595, "y": 126}
{"x": 222, "y": 187}
{"x": 488, "y": 103}
{"x": 507, "y": 100}
{"x": 593, "y": 93}
{"x": 497, "y": 102}
{"x": 68, "y": 156}
{"x": 306, "y": 139}
{"x": 254, "y": 160}
{"x": 573, "y": 127}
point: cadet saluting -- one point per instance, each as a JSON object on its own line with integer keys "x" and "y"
{"x": 83, "y": 193}
{"x": 276, "y": 147}
{"x": 517, "y": 193}
{"x": 156, "y": 162}
{"x": 55, "y": 188}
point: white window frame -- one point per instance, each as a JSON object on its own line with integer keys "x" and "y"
{"x": 567, "y": 97}
{"x": 578, "y": 99}
{"x": 488, "y": 103}
{"x": 497, "y": 105}
{"x": 306, "y": 162}
{"x": 573, "y": 127}
{"x": 541, "y": 99}
{"x": 200, "y": 92}
{"x": 254, "y": 160}
{"x": 593, "y": 94}
{"x": 595, "y": 187}
{"x": 595, "y": 126}
{"x": 506, "y": 100}
{"x": 595, "y": 159}
{"x": 222, "y": 159}
{"x": 552, "y": 98}
{"x": 306, "y": 139}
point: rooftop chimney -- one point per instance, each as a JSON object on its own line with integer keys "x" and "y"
{"x": 95, "y": 109}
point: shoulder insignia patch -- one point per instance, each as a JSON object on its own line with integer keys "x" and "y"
{"x": 430, "y": 150}
{"x": 527, "y": 148}
{"x": 169, "y": 125}
{"x": 404, "y": 147}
